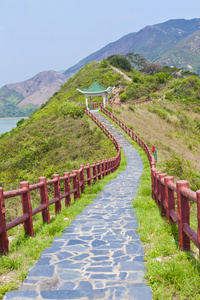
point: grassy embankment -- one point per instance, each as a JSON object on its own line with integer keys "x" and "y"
{"x": 171, "y": 273}
{"x": 56, "y": 138}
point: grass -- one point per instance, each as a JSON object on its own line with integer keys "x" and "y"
{"x": 171, "y": 273}
{"x": 172, "y": 127}
{"x": 25, "y": 251}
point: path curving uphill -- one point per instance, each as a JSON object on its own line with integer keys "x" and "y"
{"x": 99, "y": 256}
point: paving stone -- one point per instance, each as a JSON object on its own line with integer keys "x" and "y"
{"x": 41, "y": 271}
{"x": 140, "y": 292}
{"x": 21, "y": 295}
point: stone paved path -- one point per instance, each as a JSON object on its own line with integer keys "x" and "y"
{"x": 100, "y": 255}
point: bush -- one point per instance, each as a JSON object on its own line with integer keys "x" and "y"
{"x": 120, "y": 62}
{"x": 109, "y": 108}
{"x": 20, "y": 121}
{"x": 162, "y": 77}
{"x": 104, "y": 63}
{"x": 123, "y": 97}
{"x": 71, "y": 109}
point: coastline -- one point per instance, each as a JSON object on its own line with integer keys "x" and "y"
{"x": 14, "y": 118}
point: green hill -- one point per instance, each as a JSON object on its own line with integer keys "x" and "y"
{"x": 185, "y": 54}
{"x": 57, "y": 137}
{"x": 9, "y": 99}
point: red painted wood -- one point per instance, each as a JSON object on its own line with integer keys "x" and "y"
{"x": 89, "y": 174}
{"x": 198, "y": 217}
{"x": 27, "y": 209}
{"x": 44, "y": 199}
{"x": 94, "y": 170}
{"x": 169, "y": 197}
{"x": 162, "y": 194}
{"x": 4, "y": 244}
{"x": 56, "y": 186}
{"x": 183, "y": 213}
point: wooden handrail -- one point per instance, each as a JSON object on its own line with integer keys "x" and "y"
{"x": 164, "y": 190}
{"x": 78, "y": 178}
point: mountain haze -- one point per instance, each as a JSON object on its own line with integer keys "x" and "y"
{"x": 174, "y": 43}
{"x": 20, "y": 99}
{"x": 152, "y": 42}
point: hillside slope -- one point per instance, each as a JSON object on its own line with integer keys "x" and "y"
{"x": 184, "y": 54}
{"x": 20, "y": 99}
{"x": 57, "y": 137}
{"x": 151, "y": 42}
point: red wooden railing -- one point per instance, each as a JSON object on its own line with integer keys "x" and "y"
{"x": 134, "y": 102}
{"x": 93, "y": 105}
{"x": 172, "y": 198}
{"x": 73, "y": 184}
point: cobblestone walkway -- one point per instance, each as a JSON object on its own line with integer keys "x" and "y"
{"x": 100, "y": 255}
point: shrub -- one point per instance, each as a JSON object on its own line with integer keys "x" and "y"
{"x": 123, "y": 97}
{"x": 120, "y": 62}
{"x": 71, "y": 109}
{"x": 20, "y": 121}
{"x": 109, "y": 108}
{"x": 104, "y": 63}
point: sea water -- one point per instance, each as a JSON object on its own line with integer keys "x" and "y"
{"x": 7, "y": 124}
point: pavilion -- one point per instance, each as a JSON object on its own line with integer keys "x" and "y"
{"x": 96, "y": 90}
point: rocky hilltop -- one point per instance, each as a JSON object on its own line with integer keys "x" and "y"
{"x": 21, "y": 99}
{"x": 40, "y": 88}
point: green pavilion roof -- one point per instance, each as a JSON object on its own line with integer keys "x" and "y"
{"x": 96, "y": 88}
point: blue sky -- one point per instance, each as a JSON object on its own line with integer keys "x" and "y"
{"x": 40, "y": 35}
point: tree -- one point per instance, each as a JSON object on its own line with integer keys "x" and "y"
{"x": 136, "y": 60}
{"x": 119, "y": 62}
{"x": 152, "y": 68}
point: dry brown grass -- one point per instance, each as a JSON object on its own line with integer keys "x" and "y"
{"x": 177, "y": 133}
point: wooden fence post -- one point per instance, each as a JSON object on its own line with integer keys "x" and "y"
{"x": 27, "y": 209}
{"x": 44, "y": 199}
{"x": 57, "y": 193}
{"x": 198, "y": 218}
{"x": 76, "y": 184}
{"x": 162, "y": 194}
{"x": 4, "y": 243}
{"x": 169, "y": 197}
{"x": 89, "y": 174}
{"x": 99, "y": 169}
{"x": 183, "y": 214}
{"x": 67, "y": 189}
{"x": 153, "y": 170}
{"x": 82, "y": 178}
{"x": 157, "y": 186}
{"x": 94, "y": 167}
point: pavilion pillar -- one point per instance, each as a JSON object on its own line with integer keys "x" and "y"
{"x": 104, "y": 100}
{"x": 90, "y": 102}
{"x": 86, "y": 101}
{"x": 107, "y": 99}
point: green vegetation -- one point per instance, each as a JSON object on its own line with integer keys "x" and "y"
{"x": 8, "y": 104}
{"x": 119, "y": 62}
{"x": 59, "y": 137}
{"x": 25, "y": 251}
{"x": 172, "y": 274}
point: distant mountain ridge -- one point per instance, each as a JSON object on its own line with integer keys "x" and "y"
{"x": 152, "y": 42}
{"x": 21, "y": 99}
{"x": 174, "y": 42}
